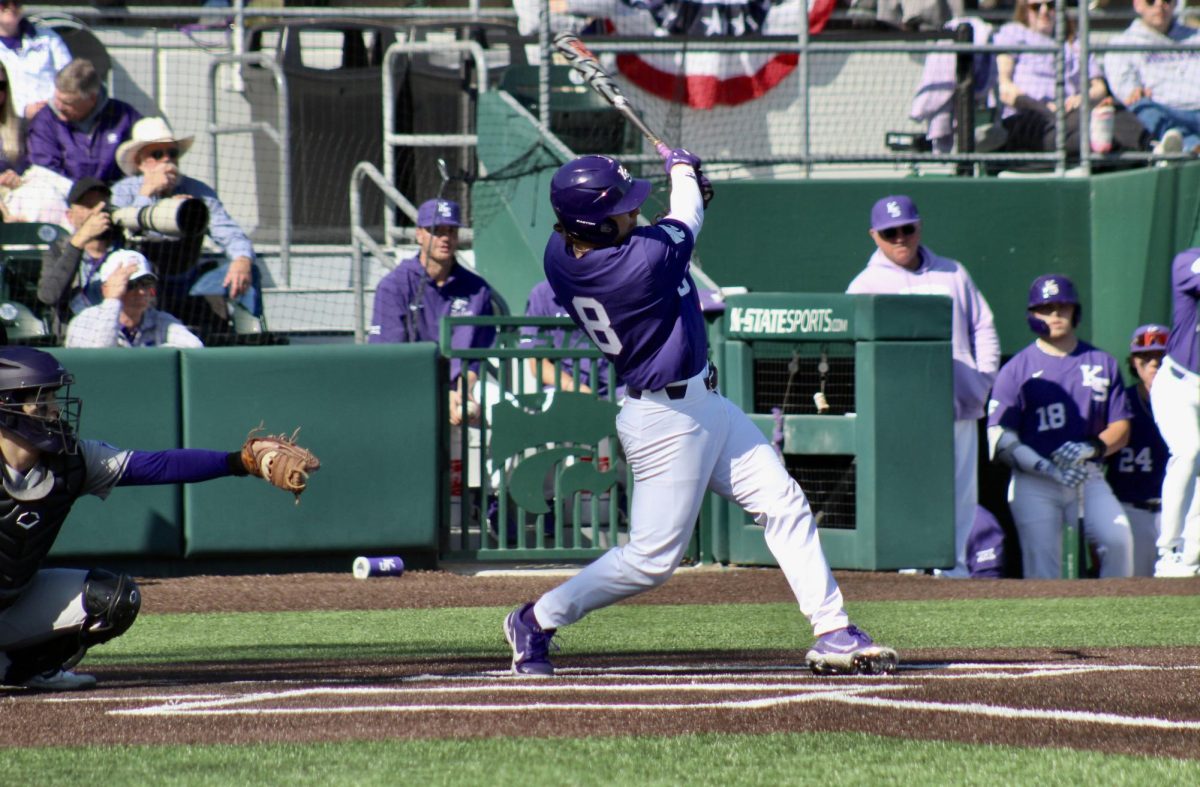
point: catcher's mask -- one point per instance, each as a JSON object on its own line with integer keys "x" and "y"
{"x": 36, "y": 402}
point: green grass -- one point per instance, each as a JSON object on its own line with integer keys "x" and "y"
{"x": 717, "y": 759}
{"x": 475, "y": 631}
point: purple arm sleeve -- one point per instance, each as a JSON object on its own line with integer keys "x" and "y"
{"x": 179, "y": 465}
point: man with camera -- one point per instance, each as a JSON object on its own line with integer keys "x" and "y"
{"x": 68, "y": 283}
{"x": 151, "y": 160}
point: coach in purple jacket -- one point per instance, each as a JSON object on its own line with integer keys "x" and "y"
{"x": 902, "y": 266}
{"x": 78, "y": 132}
{"x": 411, "y": 301}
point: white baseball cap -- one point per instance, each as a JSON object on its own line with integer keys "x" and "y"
{"x": 124, "y": 257}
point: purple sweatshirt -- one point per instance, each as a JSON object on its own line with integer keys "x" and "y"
{"x": 409, "y": 307}
{"x": 974, "y": 342}
{"x": 86, "y": 149}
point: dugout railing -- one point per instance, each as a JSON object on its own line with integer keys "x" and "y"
{"x": 537, "y": 472}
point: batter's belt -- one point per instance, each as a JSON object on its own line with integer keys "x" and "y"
{"x": 676, "y": 391}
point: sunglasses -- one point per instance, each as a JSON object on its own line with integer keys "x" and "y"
{"x": 144, "y": 283}
{"x": 894, "y": 233}
{"x": 1036, "y": 7}
{"x": 160, "y": 154}
{"x": 1151, "y": 339}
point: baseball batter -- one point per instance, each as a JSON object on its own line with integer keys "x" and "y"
{"x": 1135, "y": 472}
{"x": 1058, "y": 408}
{"x": 629, "y": 288}
{"x": 50, "y": 617}
{"x": 901, "y": 265}
{"x": 1176, "y": 401}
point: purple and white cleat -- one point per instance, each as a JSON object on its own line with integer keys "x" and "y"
{"x": 850, "y": 651}
{"x": 530, "y": 643}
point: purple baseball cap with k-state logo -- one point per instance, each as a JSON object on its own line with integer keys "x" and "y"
{"x": 895, "y": 210}
{"x": 1150, "y": 338}
{"x": 439, "y": 213}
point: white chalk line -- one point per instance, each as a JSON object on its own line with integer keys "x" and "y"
{"x": 554, "y": 687}
{"x": 213, "y": 709}
{"x": 855, "y": 690}
{"x": 1005, "y": 712}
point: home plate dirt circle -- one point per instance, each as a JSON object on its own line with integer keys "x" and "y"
{"x": 1101, "y": 699}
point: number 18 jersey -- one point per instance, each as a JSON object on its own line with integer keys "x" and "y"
{"x": 637, "y": 302}
{"x": 1049, "y": 400}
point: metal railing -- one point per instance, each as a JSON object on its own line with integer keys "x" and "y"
{"x": 280, "y": 135}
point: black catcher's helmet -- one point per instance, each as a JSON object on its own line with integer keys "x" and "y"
{"x": 27, "y": 376}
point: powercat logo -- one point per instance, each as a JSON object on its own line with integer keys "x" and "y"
{"x": 756, "y": 319}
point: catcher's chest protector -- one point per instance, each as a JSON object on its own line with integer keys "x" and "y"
{"x": 28, "y": 527}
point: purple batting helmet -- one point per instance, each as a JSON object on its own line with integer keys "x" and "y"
{"x": 1150, "y": 338}
{"x": 24, "y": 374}
{"x": 587, "y": 192}
{"x": 1052, "y": 288}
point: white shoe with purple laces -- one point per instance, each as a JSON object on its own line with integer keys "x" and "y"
{"x": 850, "y": 651}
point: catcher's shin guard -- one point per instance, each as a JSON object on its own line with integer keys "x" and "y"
{"x": 110, "y": 602}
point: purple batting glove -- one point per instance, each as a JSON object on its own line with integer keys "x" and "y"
{"x": 681, "y": 156}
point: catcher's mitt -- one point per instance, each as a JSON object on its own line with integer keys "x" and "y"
{"x": 279, "y": 460}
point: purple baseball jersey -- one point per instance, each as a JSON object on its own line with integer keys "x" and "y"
{"x": 636, "y": 301}
{"x": 1049, "y": 400}
{"x": 1185, "y": 288}
{"x": 409, "y": 307}
{"x": 1135, "y": 473}
{"x": 542, "y": 303}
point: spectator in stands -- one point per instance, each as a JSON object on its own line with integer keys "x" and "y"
{"x": 577, "y": 374}
{"x": 411, "y": 301}
{"x": 68, "y": 282}
{"x": 1135, "y": 473}
{"x": 1027, "y": 86}
{"x": 1057, "y": 410}
{"x": 1161, "y": 88}
{"x": 151, "y": 160}
{"x": 33, "y": 55}
{"x": 901, "y": 265}
{"x": 126, "y": 317}
{"x": 78, "y": 133}
{"x": 13, "y": 160}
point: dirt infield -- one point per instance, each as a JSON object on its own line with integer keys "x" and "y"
{"x": 1115, "y": 700}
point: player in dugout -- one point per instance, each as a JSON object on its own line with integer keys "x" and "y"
{"x": 1058, "y": 408}
{"x": 50, "y": 617}
{"x": 630, "y": 289}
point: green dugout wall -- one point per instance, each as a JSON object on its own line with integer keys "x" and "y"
{"x": 370, "y": 413}
{"x": 1114, "y": 234}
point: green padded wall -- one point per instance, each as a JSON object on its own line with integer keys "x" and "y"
{"x": 131, "y": 400}
{"x": 369, "y": 413}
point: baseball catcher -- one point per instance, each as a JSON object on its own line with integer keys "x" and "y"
{"x": 49, "y": 617}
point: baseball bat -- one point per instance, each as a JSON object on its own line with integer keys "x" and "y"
{"x": 582, "y": 60}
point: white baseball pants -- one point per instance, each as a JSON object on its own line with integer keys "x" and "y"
{"x": 1040, "y": 507}
{"x": 677, "y": 449}
{"x": 966, "y": 490}
{"x": 1143, "y": 526}
{"x": 1175, "y": 399}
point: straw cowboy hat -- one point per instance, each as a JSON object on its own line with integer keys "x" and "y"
{"x": 148, "y": 131}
